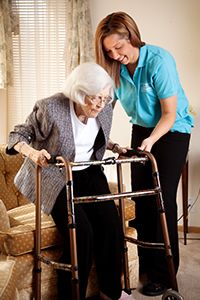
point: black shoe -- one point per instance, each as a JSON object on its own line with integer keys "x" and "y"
{"x": 153, "y": 289}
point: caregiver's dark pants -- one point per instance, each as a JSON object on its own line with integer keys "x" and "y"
{"x": 99, "y": 236}
{"x": 170, "y": 153}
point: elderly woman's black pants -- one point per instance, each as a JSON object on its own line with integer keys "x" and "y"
{"x": 99, "y": 236}
{"x": 170, "y": 153}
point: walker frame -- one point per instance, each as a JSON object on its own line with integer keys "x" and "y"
{"x": 137, "y": 157}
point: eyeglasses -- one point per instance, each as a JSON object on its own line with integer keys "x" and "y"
{"x": 99, "y": 99}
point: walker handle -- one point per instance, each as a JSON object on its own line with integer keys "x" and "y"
{"x": 132, "y": 152}
{"x": 53, "y": 159}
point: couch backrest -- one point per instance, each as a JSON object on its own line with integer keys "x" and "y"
{"x": 9, "y": 165}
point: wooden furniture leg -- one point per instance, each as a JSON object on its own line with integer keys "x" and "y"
{"x": 185, "y": 200}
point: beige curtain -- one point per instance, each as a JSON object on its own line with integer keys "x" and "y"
{"x": 79, "y": 39}
{"x": 8, "y": 24}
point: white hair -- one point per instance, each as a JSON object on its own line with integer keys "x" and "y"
{"x": 87, "y": 79}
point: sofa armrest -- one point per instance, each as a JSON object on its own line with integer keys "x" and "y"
{"x": 19, "y": 238}
{"x": 9, "y": 165}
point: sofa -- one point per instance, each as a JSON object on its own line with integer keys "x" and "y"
{"x": 17, "y": 228}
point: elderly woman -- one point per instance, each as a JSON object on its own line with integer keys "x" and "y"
{"x": 76, "y": 125}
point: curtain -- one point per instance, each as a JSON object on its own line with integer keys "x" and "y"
{"x": 79, "y": 39}
{"x": 53, "y": 34}
{"x": 9, "y": 24}
{"x": 38, "y": 65}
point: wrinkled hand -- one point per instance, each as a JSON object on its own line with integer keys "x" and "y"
{"x": 40, "y": 157}
{"x": 120, "y": 150}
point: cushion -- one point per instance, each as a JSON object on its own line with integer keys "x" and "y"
{"x": 133, "y": 261}
{"x": 4, "y": 219}
{"x": 129, "y": 204}
{"x": 19, "y": 239}
{"x": 7, "y": 280}
{"x": 24, "y": 266}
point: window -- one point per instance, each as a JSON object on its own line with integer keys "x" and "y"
{"x": 39, "y": 67}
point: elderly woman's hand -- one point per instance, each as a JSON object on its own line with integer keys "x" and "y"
{"x": 40, "y": 157}
{"x": 119, "y": 149}
{"x": 116, "y": 148}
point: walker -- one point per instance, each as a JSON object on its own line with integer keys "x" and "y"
{"x": 135, "y": 157}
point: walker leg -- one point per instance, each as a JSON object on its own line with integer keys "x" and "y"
{"x": 163, "y": 221}
{"x": 72, "y": 234}
{"x": 38, "y": 235}
{"x": 122, "y": 217}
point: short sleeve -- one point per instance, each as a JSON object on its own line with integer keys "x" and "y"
{"x": 166, "y": 77}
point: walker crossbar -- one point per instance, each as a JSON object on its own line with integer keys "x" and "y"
{"x": 108, "y": 161}
{"x": 108, "y": 197}
{"x": 145, "y": 244}
{"x": 59, "y": 161}
{"x": 54, "y": 264}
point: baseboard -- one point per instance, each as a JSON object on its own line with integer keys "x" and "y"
{"x": 191, "y": 229}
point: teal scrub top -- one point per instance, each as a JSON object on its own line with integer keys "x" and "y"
{"x": 155, "y": 78}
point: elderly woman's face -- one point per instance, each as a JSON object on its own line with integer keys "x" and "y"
{"x": 95, "y": 103}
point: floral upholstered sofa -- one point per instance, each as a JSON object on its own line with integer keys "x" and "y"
{"x": 17, "y": 228}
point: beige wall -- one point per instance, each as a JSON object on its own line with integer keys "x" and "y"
{"x": 174, "y": 25}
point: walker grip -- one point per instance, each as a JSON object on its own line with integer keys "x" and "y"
{"x": 132, "y": 152}
{"x": 53, "y": 159}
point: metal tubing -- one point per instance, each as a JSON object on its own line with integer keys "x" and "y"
{"x": 163, "y": 221}
{"x": 72, "y": 232}
{"x": 122, "y": 217}
{"x": 72, "y": 228}
{"x": 38, "y": 234}
{"x": 145, "y": 244}
{"x": 55, "y": 265}
{"x": 73, "y": 267}
{"x": 107, "y": 161}
{"x": 107, "y": 197}
{"x": 169, "y": 256}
